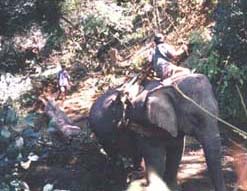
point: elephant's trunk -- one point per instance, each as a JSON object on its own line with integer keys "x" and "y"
{"x": 212, "y": 151}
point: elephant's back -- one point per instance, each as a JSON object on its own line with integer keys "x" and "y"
{"x": 198, "y": 88}
{"x": 193, "y": 83}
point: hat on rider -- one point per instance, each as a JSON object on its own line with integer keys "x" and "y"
{"x": 158, "y": 38}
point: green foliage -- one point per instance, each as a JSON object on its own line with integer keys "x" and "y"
{"x": 49, "y": 11}
{"x": 204, "y": 57}
{"x": 19, "y": 15}
{"x": 95, "y": 26}
{"x": 55, "y": 40}
{"x": 8, "y": 115}
{"x": 20, "y": 19}
{"x": 225, "y": 73}
{"x": 69, "y": 6}
{"x": 10, "y": 57}
{"x": 106, "y": 21}
{"x": 104, "y": 27}
{"x": 230, "y": 31}
{"x": 15, "y": 15}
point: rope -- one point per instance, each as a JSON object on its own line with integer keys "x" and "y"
{"x": 234, "y": 128}
{"x": 242, "y": 100}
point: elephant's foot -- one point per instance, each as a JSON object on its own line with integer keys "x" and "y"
{"x": 135, "y": 175}
{"x": 155, "y": 182}
{"x": 175, "y": 187}
{"x": 171, "y": 181}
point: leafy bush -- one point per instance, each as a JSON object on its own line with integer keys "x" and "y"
{"x": 19, "y": 15}
{"x": 21, "y": 44}
{"x": 230, "y": 32}
{"x": 223, "y": 59}
{"x": 95, "y": 26}
{"x": 15, "y": 15}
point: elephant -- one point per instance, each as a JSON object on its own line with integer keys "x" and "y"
{"x": 159, "y": 118}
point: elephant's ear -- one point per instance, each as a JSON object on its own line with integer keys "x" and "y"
{"x": 161, "y": 112}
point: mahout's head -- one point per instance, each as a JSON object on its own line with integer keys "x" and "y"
{"x": 158, "y": 38}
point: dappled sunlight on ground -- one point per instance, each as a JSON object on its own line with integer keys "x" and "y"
{"x": 193, "y": 165}
{"x": 87, "y": 91}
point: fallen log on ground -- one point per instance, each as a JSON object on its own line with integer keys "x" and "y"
{"x": 62, "y": 122}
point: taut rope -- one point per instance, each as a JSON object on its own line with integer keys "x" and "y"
{"x": 234, "y": 128}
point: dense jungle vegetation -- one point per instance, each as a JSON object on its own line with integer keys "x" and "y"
{"x": 101, "y": 42}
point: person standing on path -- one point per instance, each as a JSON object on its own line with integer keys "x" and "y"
{"x": 64, "y": 82}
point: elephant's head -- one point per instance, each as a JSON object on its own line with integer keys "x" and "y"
{"x": 105, "y": 117}
{"x": 105, "y": 114}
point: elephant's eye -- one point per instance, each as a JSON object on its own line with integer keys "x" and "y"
{"x": 116, "y": 108}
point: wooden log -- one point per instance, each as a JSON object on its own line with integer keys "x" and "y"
{"x": 62, "y": 122}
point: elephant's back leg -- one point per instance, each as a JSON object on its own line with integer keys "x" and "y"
{"x": 175, "y": 149}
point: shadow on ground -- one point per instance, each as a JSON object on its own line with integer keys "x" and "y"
{"x": 87, "y": 169}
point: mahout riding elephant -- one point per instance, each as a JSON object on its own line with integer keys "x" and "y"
{"x": 159, "y": 118}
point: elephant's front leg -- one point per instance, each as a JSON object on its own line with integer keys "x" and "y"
{"x": 175, "y": 148}
{"x": 154, "y": 153}
{"x": 213, "y": 154}
{"x": 209, "y": 137}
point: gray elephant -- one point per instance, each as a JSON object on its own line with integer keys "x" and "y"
{"x": 159, "y": 118}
